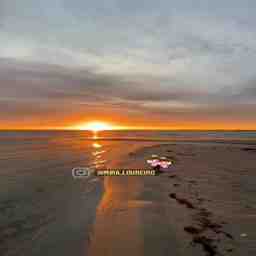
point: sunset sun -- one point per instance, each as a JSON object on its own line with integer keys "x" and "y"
{"x": 96, "y": 126}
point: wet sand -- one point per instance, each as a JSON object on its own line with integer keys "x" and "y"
{"x": 43, "y": 209}
{"x": 203, "y": 205}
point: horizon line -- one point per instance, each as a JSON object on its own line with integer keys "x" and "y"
{"x": 127, "y": 129}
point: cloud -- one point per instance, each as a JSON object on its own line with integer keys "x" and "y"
{"x": 161, "y": 58}
{"x": 25, "y": 80}
{"x": 41, "y": 88}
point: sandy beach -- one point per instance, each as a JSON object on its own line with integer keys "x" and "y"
{"x": 204, "y": 204}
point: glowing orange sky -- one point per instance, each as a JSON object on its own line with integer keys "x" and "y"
{"x": 120, "y": 119}
{"x": 143, "y": 124}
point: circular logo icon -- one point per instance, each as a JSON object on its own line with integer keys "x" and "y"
{"x": 81, "y": 172}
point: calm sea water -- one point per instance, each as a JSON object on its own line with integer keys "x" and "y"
{"x": 126, "y": 135}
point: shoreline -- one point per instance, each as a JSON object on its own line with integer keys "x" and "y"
{"x": 182, "y": 210}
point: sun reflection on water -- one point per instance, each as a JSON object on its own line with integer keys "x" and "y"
{"x": 98, "y": 160}
{"x": 96, "y": 145}
{"x": 95, "y": 136}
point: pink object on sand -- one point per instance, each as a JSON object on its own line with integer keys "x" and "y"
{"x": 163, "y": 163}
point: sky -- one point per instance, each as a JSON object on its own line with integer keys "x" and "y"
{"x": 174, "y": 64}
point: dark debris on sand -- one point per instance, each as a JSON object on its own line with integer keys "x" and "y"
{"x": 249, "y": 149}
{"x": 198, "y": 232}
{"x": 192, "y": 230}
{"x": 205, "y": 231}
{"x": 207, "y": 244}
{"x": 183, "y": 201}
